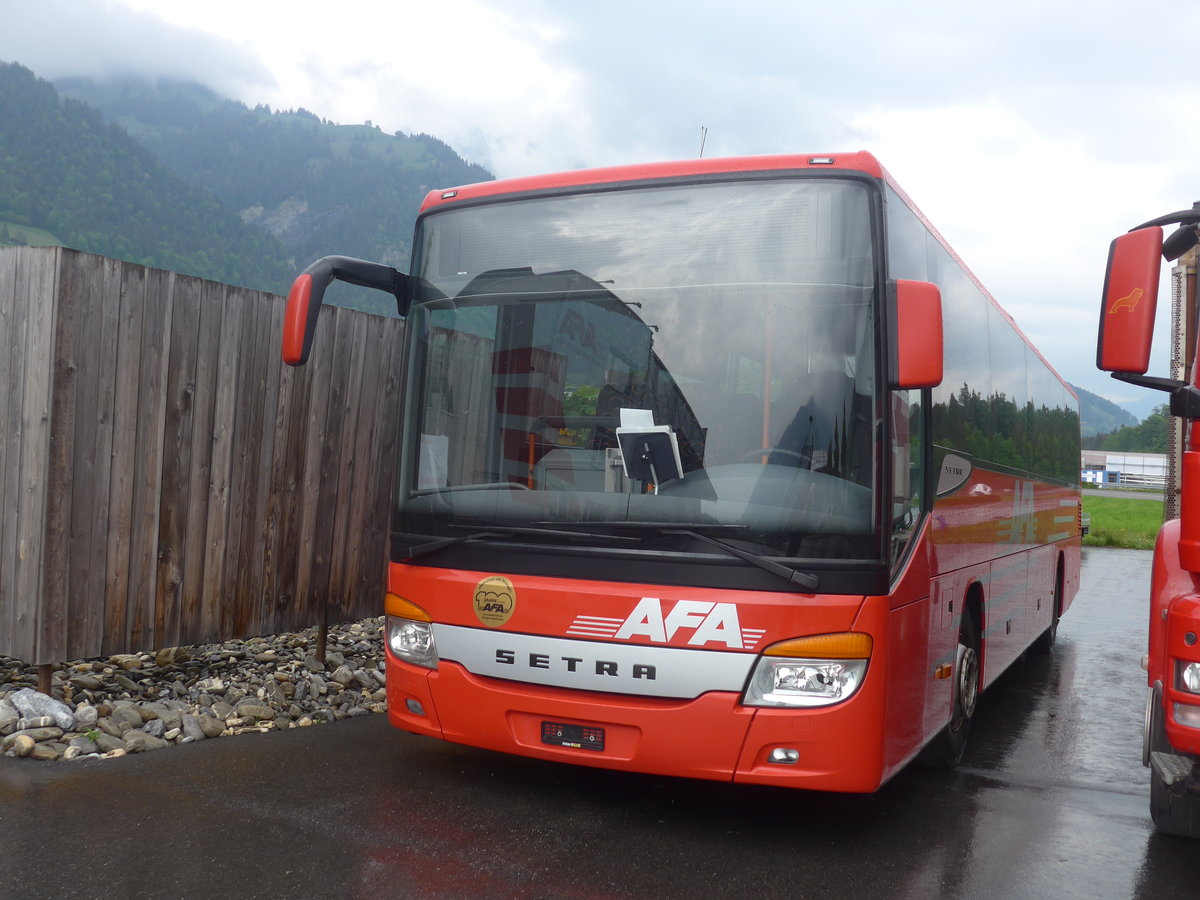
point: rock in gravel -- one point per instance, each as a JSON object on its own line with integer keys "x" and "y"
{"x": 31, "y": 704}
{"x": 190, "y": 726}
{"x": 85, "y": 715}
{"x": 106, "y": 743}
{"x": 252, "y": 708}
{"x": 141, "y": 742}
{"x": 211, "y": 726}
{"x": 47, "y": 752}
{"x": 127, "y": 716}
{"x": 22, "y": 745}
{"x": 48, "y": 733}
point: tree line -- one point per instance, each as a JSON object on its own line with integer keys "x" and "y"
{"x": 996, "y": 429}
{"x": 1148, "y": 436}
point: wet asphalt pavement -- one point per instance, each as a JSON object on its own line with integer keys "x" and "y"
{"x": 1052, "y": 801}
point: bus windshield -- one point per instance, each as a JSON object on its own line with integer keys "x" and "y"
{"x": 700, "y": 355}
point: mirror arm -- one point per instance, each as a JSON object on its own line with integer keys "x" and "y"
{"x": 357, "y": 271}
{"x": 366, "y": 274}
{"x": 1149, "y": 381}
{"x": 1181, "y": 217}
{"x": 308, "y": 293}
{"x": 1185, "y": 398}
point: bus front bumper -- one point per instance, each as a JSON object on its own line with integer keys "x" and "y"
{"x": 712, "y": 737}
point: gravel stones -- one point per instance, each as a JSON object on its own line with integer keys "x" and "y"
{"x": 141, "y": 702}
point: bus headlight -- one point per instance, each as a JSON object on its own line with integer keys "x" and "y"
{"x": 412, "y": 642}
{"x": 1189, "y": 676}
{"x": 813, "y": 671}
{"x": 410, "y": 632}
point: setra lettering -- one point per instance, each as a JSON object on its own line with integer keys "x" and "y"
{"x": 575, "y": 664}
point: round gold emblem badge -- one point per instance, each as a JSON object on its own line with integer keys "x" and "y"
{"x": 495, "y": 600}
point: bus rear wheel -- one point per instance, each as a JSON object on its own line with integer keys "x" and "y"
{"x": 1047, "y": 639}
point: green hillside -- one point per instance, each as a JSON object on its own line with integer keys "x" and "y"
{"x": 1100, "y": 416}
{"x": 317, "y": 187}
{"x": 66, "y": 175}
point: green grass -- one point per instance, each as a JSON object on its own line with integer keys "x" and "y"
{"x": 34, "y": 237}
{"x": 1120, "y": 522}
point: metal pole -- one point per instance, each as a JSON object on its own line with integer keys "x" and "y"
{"x": 1183, "y": 351}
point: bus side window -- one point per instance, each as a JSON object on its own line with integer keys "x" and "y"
{"x": 907, "y": 467}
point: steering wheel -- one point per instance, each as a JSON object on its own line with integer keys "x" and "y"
{"x": 804, "y": 459}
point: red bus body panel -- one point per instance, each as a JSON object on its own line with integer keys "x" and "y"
{"x": 1174, "y": 613}
{"x": 1038, "y": 525}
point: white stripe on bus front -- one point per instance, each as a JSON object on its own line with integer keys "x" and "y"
{"x": 593, "y": 666}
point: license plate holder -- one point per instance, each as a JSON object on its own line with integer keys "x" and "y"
{"x": 575, "y": 737}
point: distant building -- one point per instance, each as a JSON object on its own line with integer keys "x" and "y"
{"x": 1104, "y": 467}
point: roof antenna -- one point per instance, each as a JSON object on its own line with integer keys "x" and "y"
{"x": 703, "y": 138}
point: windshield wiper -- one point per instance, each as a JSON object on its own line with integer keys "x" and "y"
{"x": 660, "y": 526}
{"x": 787, "y": 573}
{"x": 415, "y": 551}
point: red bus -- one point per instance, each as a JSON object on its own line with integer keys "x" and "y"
{"x": 690, "y": 483}
{"x": 1171, "y": 737}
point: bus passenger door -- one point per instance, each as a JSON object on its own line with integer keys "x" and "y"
{"x": 945, "y": 607}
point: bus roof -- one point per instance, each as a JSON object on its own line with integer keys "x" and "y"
{"x": 859, "y": 162}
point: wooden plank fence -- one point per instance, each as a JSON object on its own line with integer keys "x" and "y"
{"x": 164, "y": 479}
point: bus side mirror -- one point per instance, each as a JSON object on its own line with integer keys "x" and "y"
{"x": 300, "y": 318}
{"x": 1130, "y": 299}
{"x": 308, "y": 291}
{"x": 917, "y": 315}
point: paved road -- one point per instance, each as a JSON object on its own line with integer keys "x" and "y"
{"x": 1126, "y": 494}
{"x": 1051, "y": 802}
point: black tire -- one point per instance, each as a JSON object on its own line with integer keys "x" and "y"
{"x": 1048, "y": 638}
{"x": 1154, "y": 736}
{"x": 948, "y": 748}
{"x": 1174, "y": 809}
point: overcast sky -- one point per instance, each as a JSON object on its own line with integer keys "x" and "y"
{"x": 1031, "y": 132}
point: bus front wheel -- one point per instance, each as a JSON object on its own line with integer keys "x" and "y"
{"x": 1175, "y": 808}
{"x": 948, "y": 748}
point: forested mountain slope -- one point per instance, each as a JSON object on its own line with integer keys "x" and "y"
{"x": 318, "y": 187}
{"x": 67, "y": 176}
{"x": 1097, "y": 415}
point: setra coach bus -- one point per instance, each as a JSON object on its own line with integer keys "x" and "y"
{"x": 723, "y": 469}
